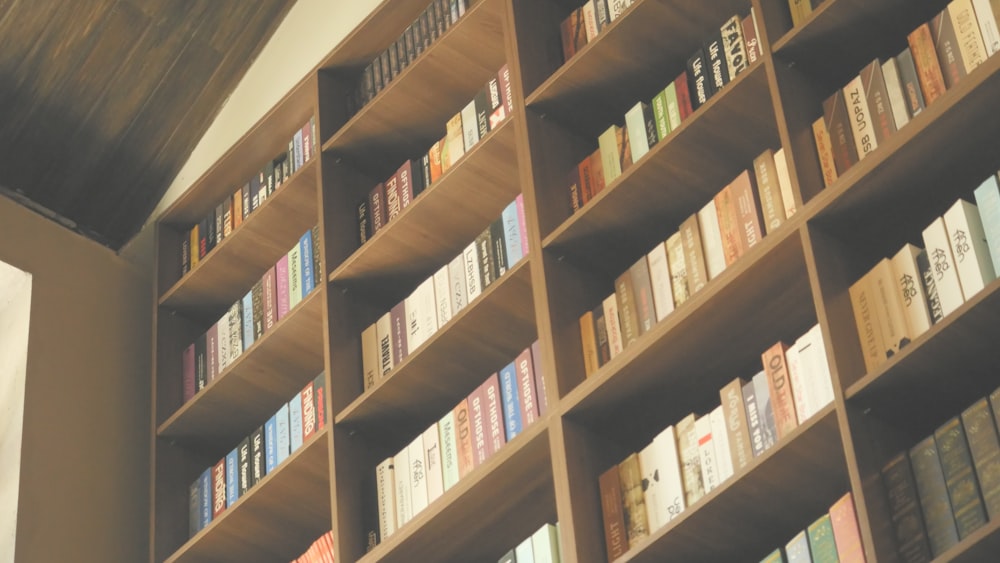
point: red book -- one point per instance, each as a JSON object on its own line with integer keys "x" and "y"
{"x": 481, "y": 450}
{"x": 506, "y": 91}
{"x": 779, "y": 384}
{"x": 308, "y": 412}
{"x": 393, "y": 200}
{"x": 496, "y": 434}
{"x": 845, "y": 530}
{"x": 683, "y": 95}
{"x": 405, "y": 178}
{"x": 270, "y": 302}
{"x": 925, "y": 59}
{"x": 281, "y": 298}
{"x": 218, "y": 488}
{"x": 377, "y": 207}
{"x": 187, "y": 366}
{"x": 463, "y": 438}
{"x": 527, "y": 393}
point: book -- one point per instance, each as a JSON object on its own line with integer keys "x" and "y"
{"x": 454, "y": 143}
{"x": 295, "y": 423}
{"x": 706, "y": 451}
{"x": 201, "y": 362}
{"x": 457, "y": 284}
{"x": 932, "y": 491}
{"x": 895, "y": 93}
{"x": 660, "y": 286}
{"x": 421, "y": 314}
{"x": 470, "y": 125}
{"x": 905, "y": 511}
{"x": 925, "y": 61}
{"x": 218, "y": 488}
{"x": 496, "y": 434}
{"x": 243, "y": 466}
{"x": 205, "y": 497}
{"x": 283, "y": 446}
{"x": 942, "y": 263}
{"x": 448, "y": 444}
{"x": 838, "y": 123}
{"x": 473, "y": 277}
{"x": 892, "y": 320}
{"x": 960, "y": 477}
{"x": 768, "y": 190}
{"x": 984, "y": 447}
{"x": 642, "y": 291}
{"x": 281, "y": 294}
{"x": 488, "y": 270}
{"x": 611, "y": 165}
{"x": 271, "y": 443}
{"x": 663, "y": 493}
{"x": 404, "y": 490}
{"x": 911, "y": 292}
{"x": 294, "y": 276}
{"x": 846, "y": 534}
{"x": 780, "y": 389}
{"x": 660, "y": 117}
{"x": 545, "y": 544}
{"x": 683, "y": 89}
{"x": 528, "y": 399}
{"x": 800, "y": 10}
{"x": 370, "y": 362}
{"x": 732, "y": 44}
{"x": 699, "y": 81}
{"x": 744, "y": 197}
{"x": 877, "y": 96}
{"x": 442, "y": 296}
{"x": 385, "y": 482}
{"x": 987, "y": 196}
{"x": 720, "y": 441}
{"x": 628, "y": 311}
{"x": 715, "y": 59}
{"x": 398, "y": 328}
{"x": 784, "y": 182}
{"x": 615, "y": 539}
{"x": 637, "y": 121}
{"x": 910, "y": 80}
{"x": 822, "y": 544}
{"x": 765, "y": 410}
{"x": 232, "y": 481}
{"x": 864, "y": 303}
{"x": 630, "y": 478}
{"x": 588, "y": 342}
{"x": 511, "y": 401}
{"x": 268, "y": 304}
{"x": 574, "y": 33}
{"x": 862, "y": 128}
{"x": 797, "y": 548}
{"x": 735, "y": 415}
{"x": 968, "y": 37}
{"x": 309, "y": 420}
{"x": 212, "y": 352}
{"x": 320, "y": 401}
{"x": 417, "y": 466}
{"x": 463, "y": 439}
{"x": 694, "y": 256}
{"x": 750, "y": 37}
{"x": 986, "y": 17}
{"x": 676, "y": 261}
{"x": 754, "y": 425}
{"x": 611, "y": 318}
{"x": 188, "y": 372}
{"x": 383, "y": 335}
{"x": 479, "y": 426}
{"x": 969, "y": 247}
{"x": 258, "y": 468}
{"x": 523, "y": 552}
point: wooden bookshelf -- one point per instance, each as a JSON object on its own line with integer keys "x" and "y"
{"x": 795, "y": 277}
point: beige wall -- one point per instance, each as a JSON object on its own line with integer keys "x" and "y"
{"x": 84, "y": 493}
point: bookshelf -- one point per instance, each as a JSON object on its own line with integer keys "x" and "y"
{"x": 797, "y": 276}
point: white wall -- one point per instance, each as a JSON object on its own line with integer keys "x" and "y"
{"x": 306, "y": 36}
{"x": 15, "y": 308}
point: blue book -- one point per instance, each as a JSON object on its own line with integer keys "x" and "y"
{"x": 512, "y": 234}
{"x": 295, "y": 423}
{"x": 511, "y": 403}
{"x": 305, "y": 258}
{"x": 797, "y": 549}
{"x": 271, "y": 444}
{"x": 205, "y": 494}
{"x": 248, "y": 320}
{"x": 232, "y": 481}
{"x": 988, "y": 202}
{"x": 283, "y": 443}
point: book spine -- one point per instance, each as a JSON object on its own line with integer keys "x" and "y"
{"x": 479, "y": 426}
{"x": 699, "y": 81}
{"x": 513, "y": 423}
{"x": 404, "y": 491}
{"x": 750, "y": 39}
{"x": 877, "y": 97}
{"x": 512, "y": 234}
{"x": 785, "y": 182}
{"x": 904, "y": 508}
{"x": 866, "y": 319}
{"x": 838, "y": 123}
{"x": 910, "y": 289}
{"x": 895, "y": 93}
{"x": 494, "y": 414}
{"x": 690, "y": 460}
{"x": 910, "y": 80}
{"x": 694, "y": 254}
{"x": 732, "y": 43}
{"x": 846, "y": 534}
{"x": 659, "y": 277}
{"x": 720, "y": 442}
{"x": 464, "y": 439}
{"x": 283, "y": 433}
{"x": 615, "y": 539}
{"x": 663, "y": 493}
{"x": 416, "y": 456}
{"x": 765, "y": 409}
{"x": 642, "y": 291}
{"x": 797, "y": 549}
{"x": 946, "y": 44}
{"x": 678, "y": 269}
{"x": 257, "y": 467}
{"x": 611, "y": 317}
{"x": 892, "y": 321}
{"x": 400, "y": 344}
{"x": 295, "y": 423}
{"x": 271, "y": 443}
{"x": 822, "y": 545}
{"x": 383, "y": 333}
{"x": 969, "y": 247}
{"x": 925, "y": 61}
{"x": 232, "y": 481}
{"x": 715, "y": 57}
{"x": 942, "y": 263}
{"x": 960, "y": 478}
{"x": 628, "y": 311}
{"x": 865, "y": 140}
{"x": 527, "y": 391}
{"x": 933, "y": 494}
{"x": 987, "y": 20}
{"x": 188, "y": 378}
{"x": 984, "y": 447}
{"x": 456, "y": 284}
{"x": 751, "y": 221}
{"x": 630, "y": 480}
{"x": 769, "y": 193}
{"x": 536, "y": 368}
{"x": 706, "y": 450}
{"x": 473, "y": 278}
{"x": 244, "y": 471}
{"x": 824, "y": 150}
{"x": 449, "y": 450}
{"x": 218, "y": 488}
{"x": 734, "y": 411}
{"x": 442, "y": 296}
{"x": 385, "y": 480}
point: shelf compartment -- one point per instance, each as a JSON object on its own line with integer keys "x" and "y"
{"x": 266, "y": 375}
{"x": 410, "y": 114}
{"x": 981, "y": 545}
{"x": 717, "y": 335}
{"x": 803, "y": 473}
{"x": 612, "y": 72}
{"x": 482, "y": 338}
{"x": 520, "y": 474}
{"x": 677, "y": 177}
{"x": 232, "y": 267}
{"x": 438, "y": 224}
{"x": 277, "y": 520}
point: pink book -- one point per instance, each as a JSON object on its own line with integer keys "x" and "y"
{"x": 536, "y": 361}
{"x": 270, "y": 304}
{"x": 308, "y": 411}
{"x": 506, "y": 89}
{"x": 496, "y": 435}
{"x": 522, "y": 224}
{"x": 281, "y": 281}
{"x": 212, "y": 341}
{"x": 187, "y": 365}
{"x": 526, "y": 387}
{"x": 477, "y": 423}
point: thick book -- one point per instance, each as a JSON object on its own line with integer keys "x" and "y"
{"x": 400, "y": 345}
{"x": 986, "y": 15}
{"x": 930, "y": 287}
{"x": 690, "y": 459}
{"x": 969, "y": 247}
{"x": 910, "y": 289}
{"x": 754, "y": 425}
{"x": 421, "y": 314}
{"x": 641, "y": 139}
{"x": 932, "y": 490}
{"x": 984, "y": 447}
{"x": 711, "y": 239}
{"x": 545, "y": 544}
{"x": 780, "y": 388}
{"x": 258, "y": 469}
{"x": 865, "y": 140}
{"x": 822, "y": 544}
{"x": 630, "y": 479}
{"x": 699, "y": 79}
{"x": 734, "y": 412}
{"x": 734, "y": 47}
{"x": 846, "y": 534}
{"x": 479, "y": 427}
{"x": 613, "y": 322}
{"x": 607, "y": 144}
{"x": 715, "y": 58}
{"x": 987, "y": 196}
{"x": 456, "y": 284}
{"x": 663, "y": 492}
{"x": 473, "y": 278}
{"x": 942, "y": 263}
{"x": 588, "y": 344}
{"x": 369, "y": 357}
{"x": 864, "y": 303}
{"x": 494, "y": 414}
{"x": 659, "y": 277}
{"x": 892, "y": 320}
{"x": 448, "y": 443}
{"x": 612, "y": 507}
{"x": 905, "y": 511}
{"x": 925, "y": 61}
{"x": 960, "y": 477}
{"x": 244, "y": 472}
{"x": 403, "y": 493}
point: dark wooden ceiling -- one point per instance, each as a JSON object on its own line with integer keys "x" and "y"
{"x": 102, "y": 101}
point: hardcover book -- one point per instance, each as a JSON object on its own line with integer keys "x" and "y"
{"x": 910, "y": 290}
{"x": 768, "y": 190}
{"x": 960, "y": 477}
{"x": 925, "y": 61}
{"x": 679, "y": 280}
{"x": 734, "y": 412}
{"x": 904, "y": 507}
{"x": 895, "y": 92}
{"x": 969, "y": 247}
{"x": 838, "y": 123}
{"x": 642, "y": 293}
{"x": 481, "y": 442}
{"x": 984, "y": 447}
{"x": 877, "y": 97}
{"x": 636, "y": 522}
{"x": 528, "y": 391}
{"x": 690, "y": 460}
{"x": 385, "y": 486}
{"x": 732, "y": 44}
{"x": 932, "y": 490}
{"x": 612, "y": 506}
{"x": 720, "y": 441}
{"x": 663, "y": 493}
{"x": 910, "y": 80}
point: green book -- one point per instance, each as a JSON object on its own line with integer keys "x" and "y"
{"x": 904, "y": 506}
{"x": 660, "y": 114}
{"x": 984, "y": 445}
{"x": 673, "y": 107}
{"x": 933, "y": 494}
{"x": 959, "y": 477}
{"x": 822, "y": 546}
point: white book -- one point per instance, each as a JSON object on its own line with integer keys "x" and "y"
{"x": 969, "y": 247}
{"x": 635, "y": 125}
{"x": 545, "y": 544}
{"x": 448, "y": 442}
{"x": 421, "y": 315}
{"x": 942, "y": 264}
{"x": 892, "y": 320}
{"x": 401, "y": 463}
{"x": 383, "y": 331}
{"x": 861, "y": 125}
{"x": 615, "y": 342}
{"x": 894, "y": 90}
{"x": 784, "y": 180}
{"x": 456, "y": 281}
{"x": 706, "y": 450}
{"x": 472, "y": 286}
{"x": 369, "y": 356}
{"x": 432, "y": 455}
{"x": 418, "y": 475}
{"x": 690, "y": 459}
{"x": 678, "y": 269}
{"x": 470, "y": 126}
{"x": 720, "y": 439}
{"x": 590, "y": 20}
{"x": 524, "y": 553}
{"x": 385, "y": 485}
{"x": 819, "y": 380}
{"x": 663, "y": 491}
{"x": 235, "y": 332}
{"x": 910, "y": 289}
{"x": 616, "y": 8}
{"x": 711, "y": 239}
{"x": 442, "y": 296}
{"x": 987, "y": 25}
{"x": 797, "y": 378}
{"x": 988, "y": 202}
{"x": 222, "y": 343}
{"x": 608, "y": 145}
{"x": 659, "y": 278}
{"x": 294, "y": 277}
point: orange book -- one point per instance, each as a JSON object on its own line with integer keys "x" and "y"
{"x": 780, "y": 387}
{"x": 926, "y": 60}
{"x": 434, "y": 155}
{"x": 463, "y": 437}
{"x": 237, "y": 208}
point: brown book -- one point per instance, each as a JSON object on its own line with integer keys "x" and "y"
{"x": 768, "y": 190}
{"x": 960, "y": 477}
{"x": 575, "y": 195}
{"x": 624, "y": 148}
{"x": 588, "y": 341}
{"x": 877, "y": 96}
{"x": 984, "y": 446}
{"x": 481, "y": 443}
{"x": 393, "y": 199}
{"x": 904, "y": 508}
{"x": 630, "y": 478}
{"x": 946, "y": 45}
{"x": 748, "y": 215}
{"x": 586, "y": 181}
{"x": 574, "y": 33}
{"x": 838, "y": 123}
{"x": 642, "y": 289}
{"x": 237, "y": 208}
{"x": 628, "y": 312}
{"x": 596, "y": 172}
{"x": 377, "y": 208}
{"x": 601, "y": 334}
{"x": 750, "y": 39}
{"x": 925, "y": 59}
{"x": 694, "y": 254}
{"x": 615, "y": 536}
{"x": 780, "y": 387}
{"x": 824, "y": 150}
{"x": 463, "y": 439}
{"x": 735, "y": 412}
{"x": 434, "y": 159}
{"x": 733, "y": 244}
{"x": 933, "y": 494}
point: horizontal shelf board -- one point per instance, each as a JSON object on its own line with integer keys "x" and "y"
{"x": 382, "y": 26}
{"x": 981, "y": 545}
{"x": 442, "y": 220}
{"x": 951, "y": 364}
{"x": 719, "y": 334}
{"x": 269, "y": 373}
{"x": 407, "y": 116}
{"x": 495, "y": 507}
{"x": 232, "y": 267}
{"x": 678, "y": 176}
{"x": 277, "y": 520}
{"x": 486, "y": 335}
{"x": 953, "y": 140}
{"x": 611, "y": 73}
{"x": 761, "y": 508}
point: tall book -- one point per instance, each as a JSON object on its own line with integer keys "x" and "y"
{"x": 720, "y": 441}
{"x": 987, "y": 196}
{"x": 925, "y": 60}
{"x": 877, "y": 96}
{"x": 642, "y": 293}
{"x": 930, "y": 286}
{"x": 528, "y": 391}
{"x": 910, "y": 79}
{"x": 659, "y": 277}
{"x": 960, "y": 477}
{"x": 981, "y": 432}
{"x": 448, "y": 442}
{"x": 822, "y": 544}
{"x": 734, "y": 412}
{"x": 969, "y": 247}
{"x": 636, "y": 521}
{"x": 494, "y": 414}
{"x": 838, "y": 124}
{"x": 780, "y": 388}
{"x": 463, "y": 439}
{"x": 676, "y": 260}
{"x": 690, "y": 459}
{"x": 218, "y": 488}
{"x": 906, "y": 276}
{"x": 457, "y": 284}
{"x": 370, "y": 365}
{"x": 892, "y": 320}
{"x": 785, "y": 182}
{"x": 588, "y": 342}
{"x": 865, "y": 140}
{"x": 611, "y": 318}
{"x": 904, "y": 508}
{"x": 641, "y": 126}
{"x": 628, "y": 311}
{"x": 706, "y": 450}
{"x": 404, "y": 506}
{"x": 744, "y": 196}
{"x": 385, "y": 486}
{"x": 477, "y": 423}
{"x": 846, "y": 534}
{"x": 733, "y": 45}
{"x": 612, "y": 507}
{"x": 694, "y": 254}
{"x": 768, "y": 190}
{"x": 942, "y": 263}
{"x": 711, "y": 239}
{"x": 754, "y": 425}
{"x": 509, "y": 393}
{"x": 896, "y": 95}
{"x": 987, "y": 19}
{"x": 663, "y": 492}
{"x": 765, "y": 410}
{"x": 545, "y": 544}
{"x": 416, "y": 457}
{"x": 864, "y": 303}
{"x": 932, "y": 491}
{"x": 283, "y": 433}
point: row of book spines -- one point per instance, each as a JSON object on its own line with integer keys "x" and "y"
{"x": 709, "y": 241}
{"x": 321, "y": 551}
{"x": 230, "y": 213}
{"x": 800, "y": 10}
{"x": 699, "y": 453}
{"x": 900, "y": 298}
{"x": 484, "y": 113}
{"x": 585, "y": 22}
{"x": 542, "y": 546}
{"x": 834, "y": 536}
{"x": 432, "y": 23}
{"x": 647, "y": 123}
{"x": 415, "y": 319}
{"x": 884, "y": 96}
{"x": 221, "y": 485}
{"x": 947, "y": 485}
{"x": 283, "y": 286}
{"x": 502, "y": 407}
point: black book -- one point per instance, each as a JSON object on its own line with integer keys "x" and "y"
{"x": 484, "y": 251}
{"x": 376, "y": 67}
{"x": 499, "y": 248}
{"x": 386, "y": 68}
{"x": 393, "y": 61}
{"x": 269, "y": 176}
{"x": 254, "y": 192}
{"x": 243, "y": 473}
{"x": 411, "y": 44}
{"x": 220, "y": 217}
{"x": 483, "y": 110}
{"x": 200, "y": 362}
{"x": 210, "y": 235}
{"x": 364, "y": 225}
{"x": 699, "y": 82}
{"x": 258, "y": 467}
{"x": 715, "y": 56}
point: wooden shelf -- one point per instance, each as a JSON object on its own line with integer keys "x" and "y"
{"x": 677, "y": 177}
{"x": 981, "y": 545}
{"x": 609, "y": 75}
{"x": 495, "y": 506}
{"x": 737, "y": 520}
{"x": 269, "y": 373}
{"x": 277, "y": 519}
{"x": 410, "y": 114}
{"x": 232, "y": 267}
{"x": 482, "y": 338}
{"x": 441, "y": 221}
